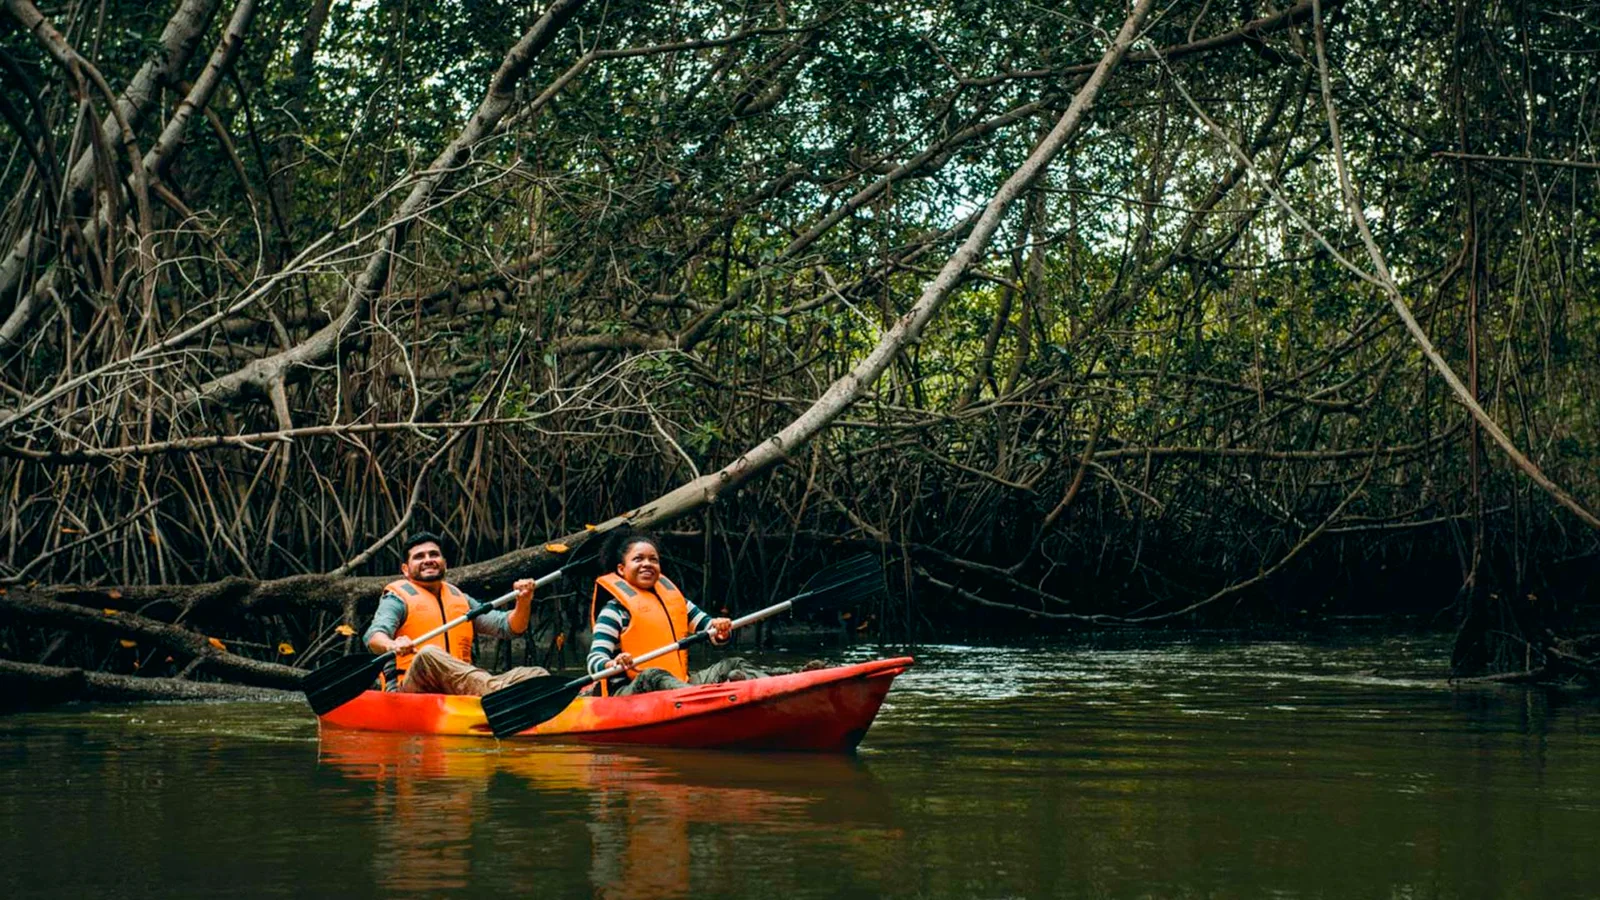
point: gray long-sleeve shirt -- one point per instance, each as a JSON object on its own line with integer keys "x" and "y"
{"x": 391, "y": 615}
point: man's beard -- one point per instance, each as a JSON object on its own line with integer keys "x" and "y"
{"x": 431, "y": 576}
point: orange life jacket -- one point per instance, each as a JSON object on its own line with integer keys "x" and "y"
{"x": 655, "y": 619}
{"x": 426, "y": 611}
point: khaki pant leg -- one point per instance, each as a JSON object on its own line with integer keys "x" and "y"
{"x": 434, "y": 671}
{"x": 512, "y": 676}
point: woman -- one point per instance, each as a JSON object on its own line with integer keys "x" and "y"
{"x": 644, "y": 611}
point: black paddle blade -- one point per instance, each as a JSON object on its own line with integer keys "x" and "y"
{"x": 527, "y": 703}
{"x": 337, "y": 683}
{"x": 849, "y": 581}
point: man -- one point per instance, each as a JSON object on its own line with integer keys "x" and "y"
{"x": 422, "y": 601}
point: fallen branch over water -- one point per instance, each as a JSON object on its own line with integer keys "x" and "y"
{"x": 24, "y": 685}
{"x": 207, "y": 653}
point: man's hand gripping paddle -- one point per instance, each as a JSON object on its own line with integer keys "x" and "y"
{"x": 333, "y": 685}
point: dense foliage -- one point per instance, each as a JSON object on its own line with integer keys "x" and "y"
{"x": 1170, "y": 382}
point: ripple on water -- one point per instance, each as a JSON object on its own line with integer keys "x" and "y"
{"x": 1153, "y": 768}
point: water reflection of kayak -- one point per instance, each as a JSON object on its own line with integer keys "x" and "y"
{"x": 823, "y": 710}
{"x": 625, "y": 814}
{"x": 782, "y": 790}
{"x": 739, "y": 787}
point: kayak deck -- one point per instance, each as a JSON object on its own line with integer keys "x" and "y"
{"x": 822, "y": 710}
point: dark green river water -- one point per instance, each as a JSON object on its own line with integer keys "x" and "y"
{"x": 1182, "y": 770}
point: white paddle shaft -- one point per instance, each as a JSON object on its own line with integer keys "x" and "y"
{"x": 496, "y": 603}
{"x": 740, "y": 622}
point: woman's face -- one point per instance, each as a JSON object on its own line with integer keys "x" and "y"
{"x": 641, "y": 565}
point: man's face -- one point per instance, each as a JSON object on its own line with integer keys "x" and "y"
{"x": 424, "y": 563}
{"x": 641, "y": 565}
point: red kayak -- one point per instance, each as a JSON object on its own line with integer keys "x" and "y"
{"x": 821, "y": 710}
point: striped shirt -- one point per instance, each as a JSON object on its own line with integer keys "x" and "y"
{"x": 614, "y": 619}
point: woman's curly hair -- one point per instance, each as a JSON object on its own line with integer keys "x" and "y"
{"x": 617, "y": 544}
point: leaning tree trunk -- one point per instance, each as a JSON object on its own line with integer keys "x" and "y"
{"x": 842, "y": 393}
{"x": 237, "y": 596}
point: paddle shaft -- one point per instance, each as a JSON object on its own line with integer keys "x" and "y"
{"x": 347, "y": 678}
{"x": 693, "y": 639}
{"x": 491, "y": 606}
{"x": 528, "y": 703}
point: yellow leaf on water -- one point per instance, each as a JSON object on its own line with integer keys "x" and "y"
{"x": 127, "y": 643}
{"x": 557, "y": 548}
{"x": 114, "y": 594}
{"x": 285, "y": 649}
{"x": 217, "y": 644}
{"x": 112, "y": 612}
{"x": 346, "y": 630}
{"x": 588, "y": 528}
{"x": 561, "y": 641}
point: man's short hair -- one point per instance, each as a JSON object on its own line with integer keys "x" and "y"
{"x": 420, "y": 537}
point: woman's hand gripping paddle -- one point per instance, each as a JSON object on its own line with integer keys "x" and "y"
{"x": 527, "y": 703}
{"x": 337, "y": 683}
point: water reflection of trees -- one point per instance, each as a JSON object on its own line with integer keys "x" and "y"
{"x": 628, "y": 822}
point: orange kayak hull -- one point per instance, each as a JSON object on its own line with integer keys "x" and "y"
{"x": 826, "y": 710}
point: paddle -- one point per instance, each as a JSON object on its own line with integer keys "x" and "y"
{"x": 337, "y": 683}
{"x": 528, "y": 703}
